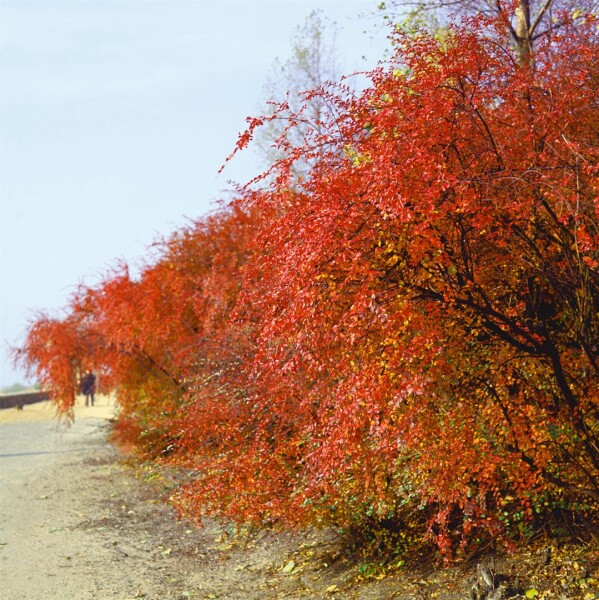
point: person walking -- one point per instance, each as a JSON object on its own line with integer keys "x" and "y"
{"x": 88, "y": 387}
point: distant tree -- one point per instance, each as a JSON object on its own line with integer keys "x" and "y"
{"x": 313, "y": 63}
{"x": 14, "y": 388}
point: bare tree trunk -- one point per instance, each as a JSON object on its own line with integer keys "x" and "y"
{"x": 523, "y": 33}
{"x": 529, "y": 21}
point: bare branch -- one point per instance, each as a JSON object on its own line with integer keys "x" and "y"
{"x": 539, "y": 16}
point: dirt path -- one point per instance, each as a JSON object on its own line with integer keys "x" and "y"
{"x": 77, "y": 523}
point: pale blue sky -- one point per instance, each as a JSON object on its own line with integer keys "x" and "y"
{"x": 115, "y": 116}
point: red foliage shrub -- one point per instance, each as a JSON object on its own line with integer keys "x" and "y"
{"x": 429, "y": 310}
{"x": 408, "y": 336}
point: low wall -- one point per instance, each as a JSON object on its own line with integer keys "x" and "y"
{"x": 21, "y": 399}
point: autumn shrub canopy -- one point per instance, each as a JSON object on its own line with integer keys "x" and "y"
{"x": 406, "y": 338}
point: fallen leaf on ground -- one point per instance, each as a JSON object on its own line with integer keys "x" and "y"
{"x": 289, "y": 567}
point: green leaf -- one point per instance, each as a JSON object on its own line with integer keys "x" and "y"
{"x": 531, "y": 593}
{"x": 289, "y": 567}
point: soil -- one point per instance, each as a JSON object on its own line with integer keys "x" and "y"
{"x": 81, "y": 521}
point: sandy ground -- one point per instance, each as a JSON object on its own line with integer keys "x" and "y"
{"x": 78, "y": 522}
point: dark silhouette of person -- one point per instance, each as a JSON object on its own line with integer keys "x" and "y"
{"x": 88, "y": 387}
